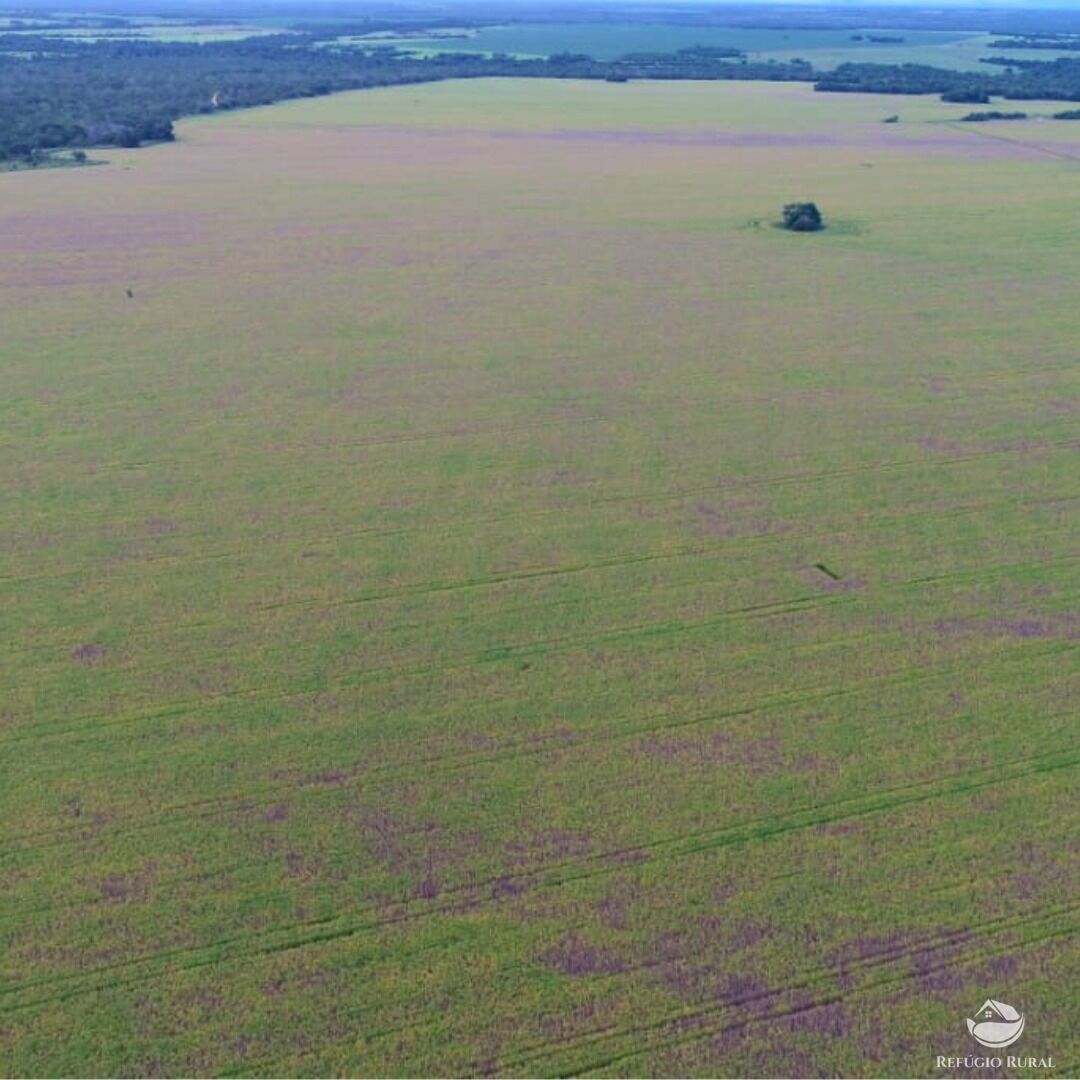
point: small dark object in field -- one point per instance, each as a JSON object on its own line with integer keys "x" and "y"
{"x": 130, "y": 294}
{"x": 894, "y": 119}
{"x": 802, "y": 217}
{"x": 826, "y": 571}
{"x": 980, "y": 116}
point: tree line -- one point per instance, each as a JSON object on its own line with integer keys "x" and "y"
{"x": 1024, "y": 80}
{"x": 58, "y": 93}
{"x": 61, "y": 93}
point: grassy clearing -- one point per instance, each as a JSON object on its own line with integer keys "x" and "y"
{"x": 54, "y": 159}
{"x": 152, "y": 29}
{"x": 415, "y": 659}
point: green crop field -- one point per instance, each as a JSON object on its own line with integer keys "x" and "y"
{"x": 157, "y": 30}
{"x": 479, "y": 598}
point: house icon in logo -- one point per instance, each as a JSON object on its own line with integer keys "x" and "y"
{"x": 996, "y": 1025}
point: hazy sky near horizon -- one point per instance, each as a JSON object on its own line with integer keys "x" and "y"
{"x": 230, "y": 8}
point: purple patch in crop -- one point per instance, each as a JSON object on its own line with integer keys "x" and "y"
{"x": 824, "y": 1019}
{"x": 730, "y": 520}
{"x": 549, "y": 845}
{"x": 115, "y": 887}
{"x": 277, "y": 812}
{"x": 479, "y": 742}
{"x": 838, "y": 828}
{"x": 625, "y": 858}
{"x": 757, "y": 755}
{"x": 575, "y": 957}
{"x": 1027, "y": 628}
{"x": 744, "y": 989}
{"x": 614, "y": 906}
{"x": 384, "y": 834}
{"x": 845, "y": 585}
{"x": 88, "y": 654}
{"x": 429, "y": 887}
{"x": 942, "y": 980}
{"x": 941, "y": 446}
{"x": 746, "y": 934}
{"x": 572, "y": 1022}
{"x": 505, "y": 886}
{"x": 696, "y": 962}
{"x": 120, "y": 888}
{"x": 1056, "y": 626}
{"x": 329, "y": 776}
{"x": 923, "y": 951}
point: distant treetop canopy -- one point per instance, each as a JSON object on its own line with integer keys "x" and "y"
{"x": 802, "y": 217}
{"x": 966, "y": 97}
{"x": 995, "y": 115}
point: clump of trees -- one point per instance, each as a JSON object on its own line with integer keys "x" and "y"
{"x": 1068, "y": 114}
{"x": 905, "y": 79}
{"x": 1059, "y": 42}
{"x": 1021, "y": 80}
{"x": 978, "y": 117}
{"x": 802, "y": 217}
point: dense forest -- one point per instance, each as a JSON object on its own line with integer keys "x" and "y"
{"x": 64, "y": 92}
{"x": 1057, "y": 42}
{"x": 1026, "y": 80}
{"x": 128, "y": 92}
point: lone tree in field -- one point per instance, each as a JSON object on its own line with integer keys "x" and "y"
{"x": 802, "y": 217}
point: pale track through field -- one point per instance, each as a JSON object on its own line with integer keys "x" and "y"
{"x": 1036, "y": 148}
{"x": 392, "y": 773}
{"x": 209, "y": 810}
{"x": 734, "y": 485}
{"x": 405, "y": 438}
{"x": 559, "y": 644}
{"x": 618, "y": 730}
{"x": 860, "y": 524}
{"x": 123, "y": 408}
